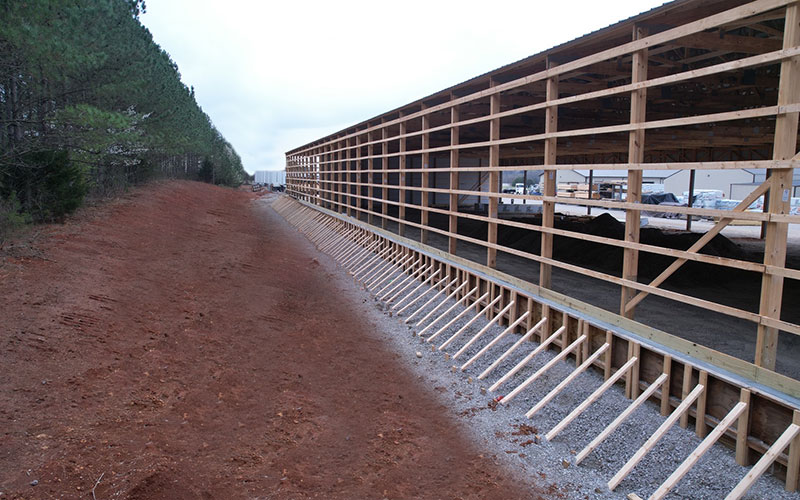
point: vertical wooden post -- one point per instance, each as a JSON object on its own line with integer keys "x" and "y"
{"x": 742, "y": 430}
{"x": 401, "y": 180}
{"x": 700, "y": 427}
{"x": 785, "y": 147}
{"x": 424, "y": 195}
{"x": 529, "y": 322}
{"x": 666, "y": 368}
{"x": 337, "y": 177}
{"x": 632, "y": 379}
{"x": 691, "y": 199}
{"x": 793, "y": 466}
{"x": 513, "y": 313}
{"x": 494, "y": 179}
{"x": 384, "y": 173}
{"x": 687, "y": 385}
{"x": 608, "y": 359}
{"x": 550, "y": 178}
{"x": 453, "y": 227}
{"x": 630, "y": 263}
{"x": 323, "y": 176}
{"x": 370, "y": 178}
{"x": 347, "y": 180}
{"x": 357, "y": 166}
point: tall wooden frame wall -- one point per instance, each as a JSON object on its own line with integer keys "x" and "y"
{"x": 380, "y": 169}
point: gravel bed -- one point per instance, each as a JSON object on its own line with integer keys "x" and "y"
{"x": 503, "y": 431}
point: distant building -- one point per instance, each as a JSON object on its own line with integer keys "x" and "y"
{"x": 277, "y": 177}
{"x": 735, "y": 184}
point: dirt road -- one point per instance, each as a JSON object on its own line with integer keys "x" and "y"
{"x": 179, "y": 343}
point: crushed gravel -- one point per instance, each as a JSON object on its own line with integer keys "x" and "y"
{"x": 503, "y": 431}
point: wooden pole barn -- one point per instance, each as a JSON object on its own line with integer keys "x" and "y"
{"x": 716, "y": 82}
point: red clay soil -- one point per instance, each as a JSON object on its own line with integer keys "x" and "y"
{"x": 178, "y": 343}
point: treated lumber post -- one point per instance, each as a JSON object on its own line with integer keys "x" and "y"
{"x": 667, "y": 370}
{"x": 742, "y": 430}
{"x": 784, "y": 148}
{"x": 789, "y": 436}
{"x": 370, "y": 178}
{"x": 494, "y": 179}
{"x": 687, "y": 380}
{"x": 401, "y": 179}
{"x": 335, "y": 176}
{"x": 384, "y": 173}
{"x": 356, "y": 185}
{"x": 632, "y": 380}
{"x": 346, "y": 182}
{"x": 355, "y": 177}
{"x": 700, "y": 415}
{"x": 793, "y": 466}
{"x": 630, "y": 262}
{"x": 550, "y": 179}
{"x": 609, "y": 355}
{"x": 453, "y": 225}
{"x": 425, "y": 181}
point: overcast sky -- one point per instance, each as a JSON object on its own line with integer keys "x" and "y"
{"x": 276, "y": 75}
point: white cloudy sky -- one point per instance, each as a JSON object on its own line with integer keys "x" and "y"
{"x": 275, "y": 75}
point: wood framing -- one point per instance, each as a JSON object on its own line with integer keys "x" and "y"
{"x": 707, "y": 87}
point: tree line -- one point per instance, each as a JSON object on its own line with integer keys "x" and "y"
{"x": 90, "y": 104}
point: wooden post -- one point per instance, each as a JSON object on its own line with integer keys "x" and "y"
{"x": 401, "y": 180}
{"x": 384, "y": 173}
{"x": 591, "y": 179}
{"x": 337, "y": 178}
{"x": 632, "y": 380}
{"x": 356, "y": 184}
{"x": 630, "y": 263}
{"x": 691, "y": 199}
{"x": 793, "y": 466}
{"x": 687, "y": 381}
{"x": 785, "y": 147}
{"x": 424, "y": 194}
{"x": 700, "y": 421}
{"x": 453, "y": 227}
{"x": 607, "y": 362}
{"x": 550, "y": 179}
{"x": 494, "y": 179}
{"x": 370, "y": 179}
{"x": 666, "y": 368}
{"x": 742, "y": 430}
{"x": 347, "y": 177}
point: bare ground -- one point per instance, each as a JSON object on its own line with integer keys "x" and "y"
{"x": 179, "y": 344}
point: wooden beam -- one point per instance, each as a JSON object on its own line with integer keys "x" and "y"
{"x": 785, "y": 146}
{"x": 630, "y": 262}
{"x": 550, "y": 179}
{"x": 454, "y": 182}
{"x": 701, "y": 450}
{"x": 494, "y": 180}
{"x": 788, "y": 436}
{"x": 702, "y": 242}
{"x": 660, "y": 381}
{"x": 401, "y": 181}
{"x": 370, "y": 178}
{"x": 657, "y": 435}
{"x": 425, "y": 181}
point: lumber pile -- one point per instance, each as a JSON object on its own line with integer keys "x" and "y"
{"x": 575, "y": 190}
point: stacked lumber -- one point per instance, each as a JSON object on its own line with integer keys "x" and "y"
{"x": 576, "y": 190}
